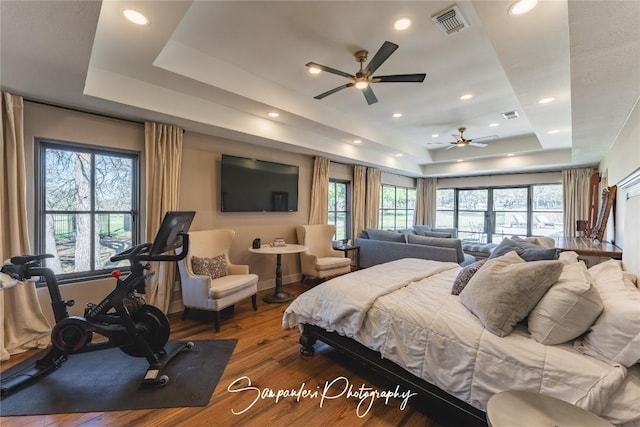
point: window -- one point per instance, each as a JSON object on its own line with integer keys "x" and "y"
{"x": 397, "y": 207}
{"x": 339, "y": 212}
{"x": 490, "y": 214}
{"x": 87, "y": 207}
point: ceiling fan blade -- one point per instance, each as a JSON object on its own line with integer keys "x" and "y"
{"x": 399, "y": 78}
{"x": 330, "y": 70}
{"x": 334, "y": 90}
{"x": 369, "y": 95}
{"x": 485, "y": 138}
{"x": 381, "y": 55}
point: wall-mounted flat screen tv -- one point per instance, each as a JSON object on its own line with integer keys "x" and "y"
{"x": 250, "y": 185}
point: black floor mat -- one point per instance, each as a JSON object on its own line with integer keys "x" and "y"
{"x": 109, "y": 380}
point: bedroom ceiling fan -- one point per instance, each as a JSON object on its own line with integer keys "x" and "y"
{"x": 364, "y": 78}
{"x": 463, "y": 142}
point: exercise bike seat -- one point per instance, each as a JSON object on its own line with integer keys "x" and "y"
{"x": 25, "y": 259}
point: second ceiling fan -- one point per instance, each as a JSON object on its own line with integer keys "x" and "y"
{"x": 364, "y": 77}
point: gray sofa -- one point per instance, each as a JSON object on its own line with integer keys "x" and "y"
{"x": 379, "y": 246}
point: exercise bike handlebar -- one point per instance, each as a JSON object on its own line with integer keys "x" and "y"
{"x": 141, "y": 253}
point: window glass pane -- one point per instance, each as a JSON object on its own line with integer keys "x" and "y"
{"x": 510, "y": 199}
{"x": 68, "y": 239}
{"x": 388, "y": 197}
{"x": 388, "y": 220}
{"x": 510, "y": 207}
{"x": 547, "y": 210}
{"x": 411, "y": 199}
{"x": 332, "y": 196}
{"x": 445, "y": 199}
{"x": 341, "y": 196}
{"x": 341, "y": 226}
{"x": 67, "y": 180}
{"x": 444, "y": 219}
{"x": 114, "y": 179}
{"x": 475, "y": 200}
{"x": 114, "y": 236}
{"x": 401, "y": 198}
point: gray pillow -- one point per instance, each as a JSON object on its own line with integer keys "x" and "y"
{"x": 506, "y": 289}
{"x": 527, "y": 251}
{"x": 387, "y": 236}
{"x": 438, "y": 241}
{"x": 421, "y": 229}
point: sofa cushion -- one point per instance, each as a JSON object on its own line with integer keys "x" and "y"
{"x": 438, "y": 241}
{"x": 387, "y": 236}
{"x": 527, "y": 251}
{"x": 451, "y": 230}
{"x": 505, "y": 289}
{"x": 440, "y": 234}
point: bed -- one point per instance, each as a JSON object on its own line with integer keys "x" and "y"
{"x": 402, "y": 320}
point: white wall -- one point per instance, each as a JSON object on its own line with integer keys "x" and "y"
{"x": 621, "y": 161}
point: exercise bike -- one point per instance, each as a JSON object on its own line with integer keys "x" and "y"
{"x": 122, "y": 317}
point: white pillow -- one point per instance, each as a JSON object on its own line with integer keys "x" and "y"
{"x": 615, "y": 336}
{"x": 568, "y": 308}
{"x": 568, "y": 257}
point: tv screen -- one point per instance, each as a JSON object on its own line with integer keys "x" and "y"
{"x": 250, "y": 185}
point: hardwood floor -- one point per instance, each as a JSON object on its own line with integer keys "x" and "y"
{"x": 269, "y": 356}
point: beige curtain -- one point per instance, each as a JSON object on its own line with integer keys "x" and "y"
{"x": 163, "y": 157}
{"x": 426, "y": 201}
{"x": 22, "y": 322}
{"x": 373, "y": 198}
{"x": 359, "y": 192}
{"x": 575, "y": 195}
{"x": 319, "y": 210}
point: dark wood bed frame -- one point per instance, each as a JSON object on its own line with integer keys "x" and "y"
{"x": 436, "y": 403}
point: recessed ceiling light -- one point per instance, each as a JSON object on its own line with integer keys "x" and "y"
{"x": 398, "y": 154}
{"x": 435, "y": 135}
{"x": 397, "y": 115}
{"x": 510, "y": 154}
{"x": 546, "y": 100}
{"x": 466, "y": 96}
{"x": 522, "y": 6}
{"x": 314, "y": 70}
{"x": 494, "y": 125}
{"x": 273, "y": 114}
{"x": 459, "y": 160}
{"x": 357, "y": 141}
{"x": 135, "y": 17}
{"x": 402, "y": 24}
{"x": 551, "y": 132}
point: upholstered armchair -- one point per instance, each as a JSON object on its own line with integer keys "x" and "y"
{"x": 209, "y": 280}
{"x": 320, "y": 260}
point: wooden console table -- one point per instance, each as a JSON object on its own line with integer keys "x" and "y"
{"x": 588, "y": 247}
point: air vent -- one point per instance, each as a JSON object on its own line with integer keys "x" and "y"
{"x": 509, "y": 115}
{"x": 450, "y": 21}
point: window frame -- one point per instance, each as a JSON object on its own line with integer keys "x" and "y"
{"x": 40, "y": 170}
{"x": 530, "y": 213}
{"x": 382, "y": 209}
{"x": 347, "y": 211}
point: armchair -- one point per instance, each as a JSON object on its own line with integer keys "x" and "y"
{"x": 320, "y": 260}
{"x": 202, "y": 291}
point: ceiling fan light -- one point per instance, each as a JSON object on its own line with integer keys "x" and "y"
{"x": 362, "y": 84}
{"x": 314, "y": 70}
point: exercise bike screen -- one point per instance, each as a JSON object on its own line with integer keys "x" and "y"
{"x": 168, "y": 237}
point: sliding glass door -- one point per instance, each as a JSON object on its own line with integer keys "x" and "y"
{"x": 472, "y": 214}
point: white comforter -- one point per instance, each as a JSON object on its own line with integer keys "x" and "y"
{"x": 404, "y": 310}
